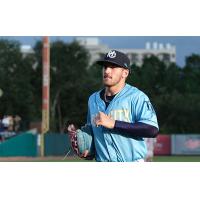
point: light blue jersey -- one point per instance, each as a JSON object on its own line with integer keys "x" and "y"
{"x": 129, "y": 105}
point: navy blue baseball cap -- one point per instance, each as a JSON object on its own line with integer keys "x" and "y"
{"x": 115, "y": 57}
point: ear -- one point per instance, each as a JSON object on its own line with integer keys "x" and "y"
{"x": 125, "y": 73}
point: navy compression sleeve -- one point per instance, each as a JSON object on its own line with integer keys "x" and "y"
{"x": 137, "y": 129}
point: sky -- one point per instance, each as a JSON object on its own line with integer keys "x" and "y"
{"x": 185, "y": 45}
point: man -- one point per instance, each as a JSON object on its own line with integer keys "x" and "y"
{"x": 119, "y": 115}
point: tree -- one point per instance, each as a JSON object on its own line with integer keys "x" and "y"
{"x": 68, "y": 78}
{"x": 191, "y": 74}
{"x": 150, "y": 76}
{"x": 193, "y": 61}
{"x": 15, "y": 81}
{"x": 173, "y": 92}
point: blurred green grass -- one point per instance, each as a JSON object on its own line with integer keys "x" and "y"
{"x": 77, "y": 159}
{"x": 184, "y": 158}
{"x": 155, "y": 159}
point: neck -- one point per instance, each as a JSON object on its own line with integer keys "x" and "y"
{"x": 110, "y": 91}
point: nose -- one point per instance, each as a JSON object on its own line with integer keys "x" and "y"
{"x": 107, "y": 69}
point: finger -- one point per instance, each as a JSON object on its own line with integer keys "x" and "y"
{"x": 85, "y": 153}
{"x": 98, "y": 122}
{"x": 97, "y": 117}
{"x": 72, "y": 132}
{"x": 71, "y": 127}
{"x": 101, "y": 114}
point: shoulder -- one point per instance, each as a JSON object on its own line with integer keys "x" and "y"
{"x": 93, "y": 96}
{"x": 136, "y": 93}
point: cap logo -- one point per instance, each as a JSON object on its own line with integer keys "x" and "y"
{"x": 111, "y": 54}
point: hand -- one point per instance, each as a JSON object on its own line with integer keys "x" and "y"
{"x": 85, "y": 154}
{"x": 104, "y": 120}
{"x": 71, "y": 129}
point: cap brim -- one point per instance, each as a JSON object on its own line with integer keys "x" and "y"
{"x": 103, "y": 62}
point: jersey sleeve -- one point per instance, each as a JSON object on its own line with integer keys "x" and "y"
{"x": 89, "y": 120}
{"x": 88, "y": 117}
{"x": 144, "y": 111}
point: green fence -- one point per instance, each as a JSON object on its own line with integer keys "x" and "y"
{"x": 56, "y": 144}
{"x": 24, "y": 144}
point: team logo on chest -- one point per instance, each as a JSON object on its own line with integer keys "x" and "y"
{"x": 121, "y": 114}
{"x": 111, "y": 54}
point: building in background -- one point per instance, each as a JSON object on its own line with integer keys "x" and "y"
{"x": 166, "y": 53}
{"x": 26, "y": 50}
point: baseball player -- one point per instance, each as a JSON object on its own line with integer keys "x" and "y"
{"x": 119, "y": 117}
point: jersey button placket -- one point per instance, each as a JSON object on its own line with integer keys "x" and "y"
{"x": 109, "y": 144}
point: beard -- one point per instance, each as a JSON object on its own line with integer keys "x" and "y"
{"x": 109, "y": 81}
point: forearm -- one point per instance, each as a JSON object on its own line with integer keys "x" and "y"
{"x": 137, "y": 129}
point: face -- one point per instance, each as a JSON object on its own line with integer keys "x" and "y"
{"x": 113, "y": 75}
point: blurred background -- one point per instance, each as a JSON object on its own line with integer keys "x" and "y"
{"x": 167, "y": 69}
